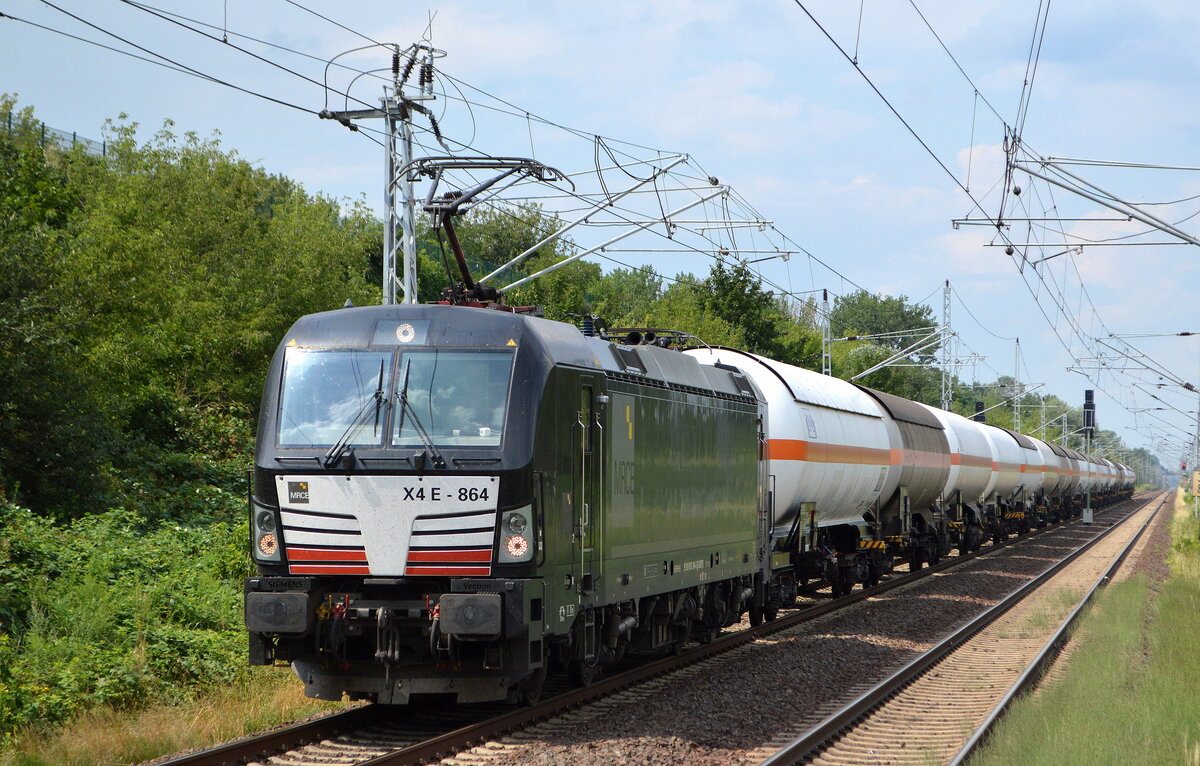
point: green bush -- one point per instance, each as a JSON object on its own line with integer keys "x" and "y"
{"x": 116, "y": 610}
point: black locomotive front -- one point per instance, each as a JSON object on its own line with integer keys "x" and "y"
{"x": 392, "y": 515}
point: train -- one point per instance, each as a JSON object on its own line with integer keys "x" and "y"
{"x": 458, "y": 500}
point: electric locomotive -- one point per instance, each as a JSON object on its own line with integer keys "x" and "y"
{"x": 452, "y": 500}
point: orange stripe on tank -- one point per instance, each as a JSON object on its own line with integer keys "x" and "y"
{"x": 818, "y": 452}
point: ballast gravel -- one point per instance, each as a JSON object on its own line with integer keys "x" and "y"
{"x": 727, "y": 708}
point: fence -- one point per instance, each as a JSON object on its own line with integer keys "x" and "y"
{"x": 60, "y": 137}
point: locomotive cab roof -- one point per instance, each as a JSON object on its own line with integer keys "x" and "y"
{"x": 554, "y": 342}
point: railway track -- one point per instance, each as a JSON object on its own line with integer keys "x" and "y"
{"x": 939, "y": 707}
{"x": 372, "y": 736}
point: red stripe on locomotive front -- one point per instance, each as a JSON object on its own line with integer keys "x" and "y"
{"x": 328, "y": 569}
{"x": 484, "y": 555}
{"x": 435, "y": 570}
{"x": 325, "y": 554}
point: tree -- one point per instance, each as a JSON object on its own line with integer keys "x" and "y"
{"x": 623, "y": 297}
{"x": 682, "y": 307}
{"x": 54, "y": 439}
{"x": 188, "y": 265}
{"x": 863, "y": 313}
{"x": 919, "y": 383}
{"x": 736, "y": 295}
{"x": 143, "y": 294}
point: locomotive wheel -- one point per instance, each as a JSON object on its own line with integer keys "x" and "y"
{"x": 582, "y": 674}
{"x": 529, "y": 691}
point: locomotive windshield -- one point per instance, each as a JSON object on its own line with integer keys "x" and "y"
{"x": 458, "y": 397}
{"x": 329, "y": 396}
{"x": 325, "y": 395}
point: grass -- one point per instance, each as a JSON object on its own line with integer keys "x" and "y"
{"x": 1129, "y": 694}
{"x": 1056, "y": 608}
{"x": 105, "y": 736}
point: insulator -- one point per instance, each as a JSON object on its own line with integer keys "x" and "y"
{"x": 426, "y": 73}
{"x": 395, "y": 64}
{"x": 589, "y": 326}
{"x": 408, "y": 67}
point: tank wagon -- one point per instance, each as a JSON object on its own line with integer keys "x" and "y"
{"x": 458, "y": 500}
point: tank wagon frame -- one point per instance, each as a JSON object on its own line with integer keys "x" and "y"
{"x": 450, "y": 500}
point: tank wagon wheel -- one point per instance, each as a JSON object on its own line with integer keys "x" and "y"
{"x": 838, "y": 585}
{"x": 756, "y": 615}
{"x": 874, "y": 575}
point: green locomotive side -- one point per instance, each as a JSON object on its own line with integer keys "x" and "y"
{"x": 645, "y": 490}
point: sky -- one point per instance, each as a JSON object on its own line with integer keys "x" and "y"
{"x": 855, "y": 134}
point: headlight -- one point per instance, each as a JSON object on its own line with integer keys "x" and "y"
{"x": 516, "y": 539}
{"x": 264, "y": 524}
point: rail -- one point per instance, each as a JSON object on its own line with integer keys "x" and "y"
{"x": 828, "y": 730}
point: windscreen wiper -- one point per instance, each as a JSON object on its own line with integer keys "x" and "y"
{"x": 406, "y": 407}
{"x": 338, "y": 450}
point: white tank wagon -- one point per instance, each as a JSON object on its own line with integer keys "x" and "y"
{"x": 1130, "y": 478}
{"x": 1057, "y": 498}
{"x": 1008, "y": 479}
{"x": 1105, "y": 475}
{"x": 1054, "y": 481}
{"x": 1020, "y": 481}
{"x": 1087, "y": 473}
{"x": 1112, "y": 475}
{"x": 970, "y": 480}
{"x": 830, "y": 458}
{"x": 910, "y": 520}
{"x": 828, "y": 445}
{"x": 1076, "y": 472}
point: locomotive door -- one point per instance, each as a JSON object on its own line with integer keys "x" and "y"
{"x": 587, "y": 489}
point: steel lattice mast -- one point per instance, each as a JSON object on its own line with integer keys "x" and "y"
{"x": 396, "y": 109}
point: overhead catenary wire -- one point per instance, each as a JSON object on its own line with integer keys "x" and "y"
{"x": 180, "y": 66}
{"x": 529, "y": 120}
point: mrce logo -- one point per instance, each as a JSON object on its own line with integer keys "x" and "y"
{"x": 297, "y": 491}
